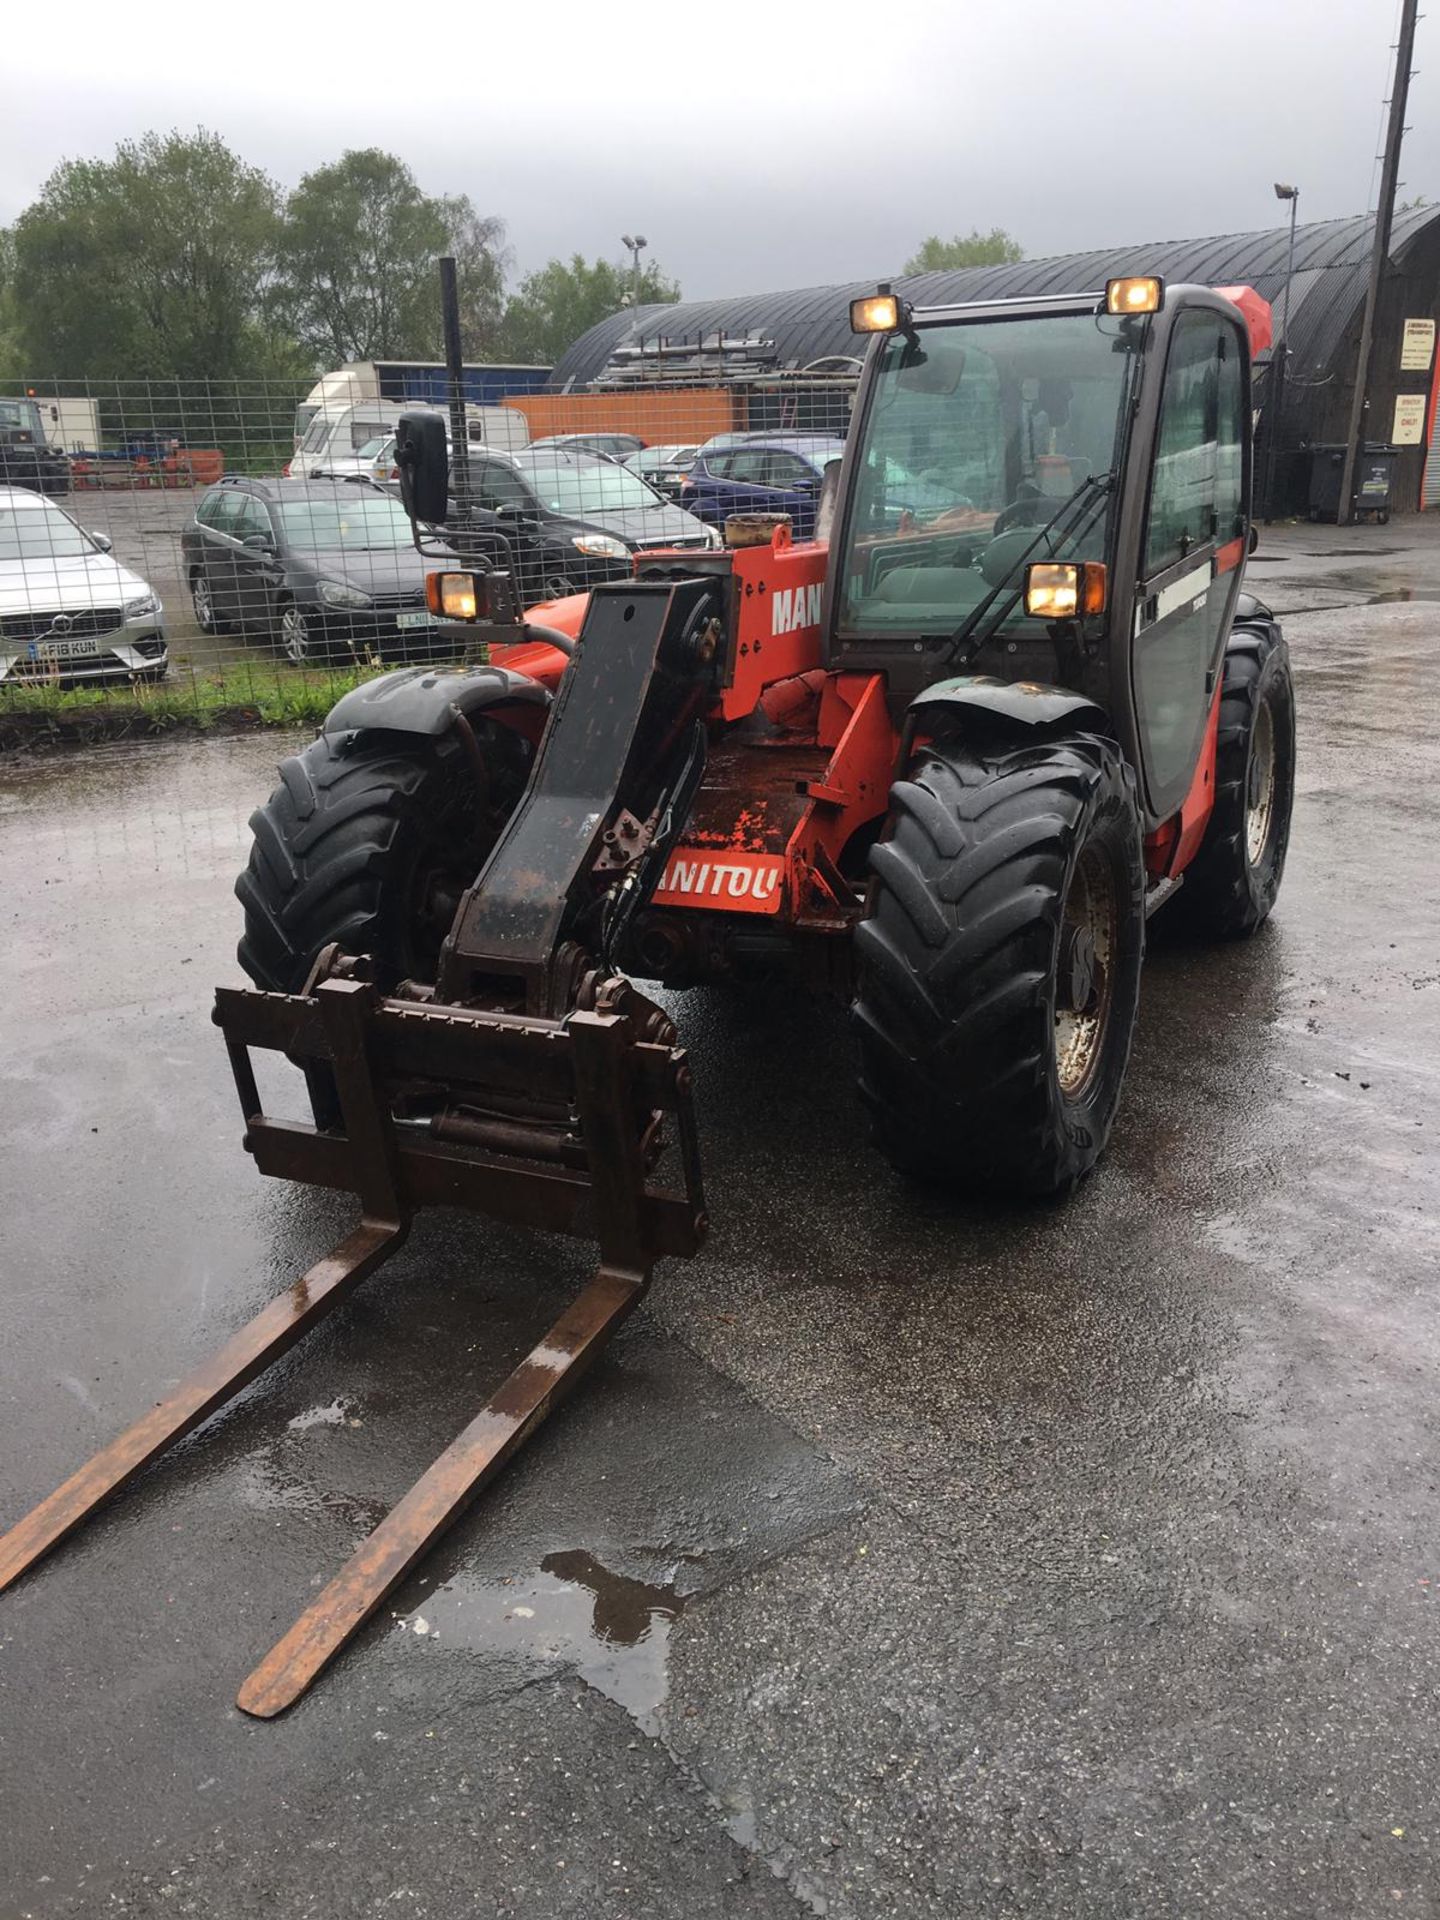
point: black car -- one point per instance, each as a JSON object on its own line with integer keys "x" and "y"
{"x": 569, "y": 520}
{"x": 323, "y": 567}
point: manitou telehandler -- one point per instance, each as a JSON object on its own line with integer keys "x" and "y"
{"x": 941, "y": 764}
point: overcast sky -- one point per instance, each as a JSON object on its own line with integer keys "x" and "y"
{"x": 759, "y": 147}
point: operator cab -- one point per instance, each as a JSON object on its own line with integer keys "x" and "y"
{"x": 1102, "y": 440}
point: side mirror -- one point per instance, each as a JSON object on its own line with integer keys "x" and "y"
{"x": 102, "y": 541}
{"x": 259, "y": 542}
{"x": 515, "y": 512}
{"x": 1254, "y": 540}
{"x": 423, "y": 458}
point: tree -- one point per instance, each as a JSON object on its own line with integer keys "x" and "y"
{"x": 153, "y": 263}
{"x": 975, "y": 249}
{"x": 553, "y": 307}
{"x": 356, "y": 260}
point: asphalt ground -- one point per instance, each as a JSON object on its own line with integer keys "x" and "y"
{"x": 900, "y": 1559}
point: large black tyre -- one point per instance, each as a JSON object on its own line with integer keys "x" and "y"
{"x": 369, "y": 841}
{"x": 1231, "y": 884}
{"x": 999, "y": 963}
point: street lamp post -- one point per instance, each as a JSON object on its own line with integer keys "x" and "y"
{"x": 636, "y": 245}
{"x": 1280, "y": 356}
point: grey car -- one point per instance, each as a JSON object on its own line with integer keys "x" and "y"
{"x": 323, "y": 568}
{"x": 68, "y": 610}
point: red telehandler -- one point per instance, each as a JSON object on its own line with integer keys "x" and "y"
{"x": 942, "y": 764}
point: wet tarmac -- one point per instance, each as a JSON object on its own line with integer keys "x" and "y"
{"x": 899, "y": 1560}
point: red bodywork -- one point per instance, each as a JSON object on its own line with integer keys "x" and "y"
{"x": 801, "y": 758}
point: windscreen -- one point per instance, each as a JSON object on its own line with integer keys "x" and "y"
{"x": 575, "y": 485}
{"x": 977, "y": 437}
{"x": 41, "y": 533}
{"x": 370, "y": 519}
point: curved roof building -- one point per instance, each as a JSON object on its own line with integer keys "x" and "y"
{"x": 750, "y": 336}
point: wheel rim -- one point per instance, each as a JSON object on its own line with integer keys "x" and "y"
{"x": 294, "y": 636}
{"x": 200, "y": 595}
{"x": 1085, "y": 971}
{"x": 1260, "y": 786}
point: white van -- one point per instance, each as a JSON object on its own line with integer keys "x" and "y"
{"x": 335, "y": 436}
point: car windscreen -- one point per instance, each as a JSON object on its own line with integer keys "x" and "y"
{"x": 367, "y": 520}
{"x": 585, "y": 486}
{"x": 41, "y": 533}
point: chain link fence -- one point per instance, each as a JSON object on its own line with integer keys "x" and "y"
{"x": 176, "y": 550}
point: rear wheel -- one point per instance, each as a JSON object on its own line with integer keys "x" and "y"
{"x": 370, "y": 841}
{"x": 999, "y": 966}
{"x": 1231, "y": 884}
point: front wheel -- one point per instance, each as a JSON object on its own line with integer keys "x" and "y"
{"x": 999, "y": 964}
{"x": 300, "y": 642}
{"x": 370, "y": 841}
{"x": 203, "y": 601}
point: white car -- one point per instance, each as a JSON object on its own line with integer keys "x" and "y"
{"x": 67, "y": 610}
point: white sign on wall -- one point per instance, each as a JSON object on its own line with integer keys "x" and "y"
{"x": 1409, "y": 429}
{"x": 1417, "y": 346}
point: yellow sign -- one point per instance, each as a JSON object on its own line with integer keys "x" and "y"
{"x": 1417, "y": 346}
{"x": 1409, "y": 428}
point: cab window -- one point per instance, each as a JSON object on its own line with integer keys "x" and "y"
{"x": 1196, "y": 494}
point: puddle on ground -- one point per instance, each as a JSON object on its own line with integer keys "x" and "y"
{"x": 611, "y": 1630}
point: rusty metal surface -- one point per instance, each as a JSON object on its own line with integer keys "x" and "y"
{"x": 272, "y": 1332}
{"x": 442, "y": 1494}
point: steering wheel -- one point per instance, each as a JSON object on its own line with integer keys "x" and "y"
{"x": 1027, "y": 509}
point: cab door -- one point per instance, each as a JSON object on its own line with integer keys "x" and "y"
{"x": 1192, "y": 550}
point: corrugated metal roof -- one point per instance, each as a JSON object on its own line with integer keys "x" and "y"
{"x": 811, "y": 323}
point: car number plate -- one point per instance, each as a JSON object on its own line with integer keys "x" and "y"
{"x": 66, "y": 649}
{"x": 414, "y": 619}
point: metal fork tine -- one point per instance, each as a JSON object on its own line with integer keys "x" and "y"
{"x": 247, "y": 1353}
{"x": 442, "y": 1493}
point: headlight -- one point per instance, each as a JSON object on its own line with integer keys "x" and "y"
{"x": 600, "y": 546}
{"x": 336, "y": 594}
{"x": 147, "y": 603}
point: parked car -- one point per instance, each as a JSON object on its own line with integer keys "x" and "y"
{"x": 67, "y": 609}
{"x": 571, "y": 520}
{"x": 609, "y": 446}
{"x": 663, "y": 467}
{"x": 323, "y": 567}
{"x": 761, "y": 475}
{"x": 375, "y": 460}
{"x": 26, "y": 458}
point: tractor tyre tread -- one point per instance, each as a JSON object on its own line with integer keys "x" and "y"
{"x": 1223, "y": 897}
{"x": 956, "y": 962}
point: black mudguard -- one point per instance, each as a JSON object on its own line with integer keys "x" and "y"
{"x": 426, "y": 700}
{"x": 1024, "y": 702}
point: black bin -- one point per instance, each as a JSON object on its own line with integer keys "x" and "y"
{"x": 1374, "y": 477}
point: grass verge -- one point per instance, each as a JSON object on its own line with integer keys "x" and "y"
{"x": 46, "y": 715}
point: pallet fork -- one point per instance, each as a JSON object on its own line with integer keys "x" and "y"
{"x": 550, "y": 1107}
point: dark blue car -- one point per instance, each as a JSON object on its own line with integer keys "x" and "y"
{"x": 761, "y": 475}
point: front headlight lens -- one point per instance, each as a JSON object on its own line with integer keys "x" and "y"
{"x": 600, "y": 546}
{"x": 336, "y": 594}
{"x": 147, "y": 603}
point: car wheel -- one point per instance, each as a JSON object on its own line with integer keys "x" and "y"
{"x": 299, "y": 641}
{"x": 204, "y": 604}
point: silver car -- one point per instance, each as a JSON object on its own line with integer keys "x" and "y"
{"x": 68, "y": 611}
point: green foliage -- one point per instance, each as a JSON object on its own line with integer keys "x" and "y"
{"x": 355, "y": 263}
{"x": 556, "y": 305}
{"x": 975, "y": 249}
{"x": 151, "y": 263}
{"x": 47, "y": 714}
